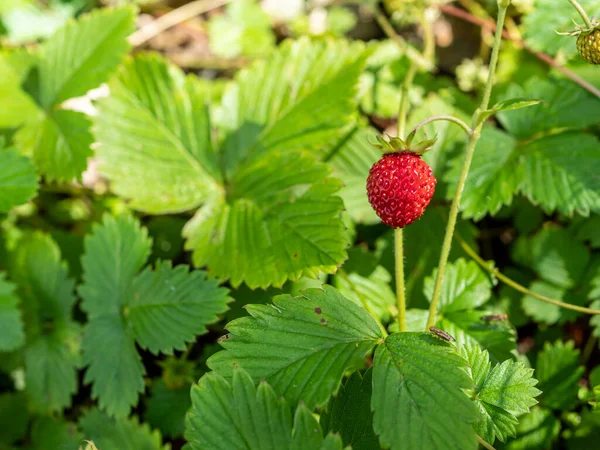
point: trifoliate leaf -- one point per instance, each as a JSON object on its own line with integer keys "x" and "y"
{"x": 465, "y": 286}
{"x": 123, "y": 434}
{"x": 59, "y": 142}
{"x": 52, "y": 348}
{"x": 50, "y": 433}
{"x": 236, "y": 414}
{"x": 494, "y": 176}
{"x": 550, "y": 16}
{"x": 14, "y": 417}
{"x": 301, "y": 98}
{"x": 80, "y": 56}
{"x": 536, "y": 431}
{"x": 244, "y": 30}
{"x": 281, "y": 221}
{"x": 557, "y": 172}
{"x": 349, "y": 413}
{"x": 11, "y": 323}
{"x": 171, "y": 306}
{"x": 18, "y": 179}
{"x": 563, "y": 105}
{"x": 417, "y": 394}
{"x": 558, "y": 371}
{"x": 302, "y": 346}
{"x": 351, "y": 161}
{"x": 154, "y": 136}
{"x": 501, "y": 394}
{"x": 160, "y": 309}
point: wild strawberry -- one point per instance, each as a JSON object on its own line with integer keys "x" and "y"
{"x": 588, "y": 46}
{"x": 399, "y": 187}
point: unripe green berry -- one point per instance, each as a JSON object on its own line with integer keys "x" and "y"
{"x": 588, "y": 45}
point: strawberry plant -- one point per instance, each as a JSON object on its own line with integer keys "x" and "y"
{"x": 299, "y": 225}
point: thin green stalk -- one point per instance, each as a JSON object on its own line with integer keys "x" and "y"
{"x": 456, "y": 120}
{"x": 363, "y": 300}
{"x": 484, "y": 443}
{"x": 472, "y": 142}
{"x": 516, "y": 286}
{"x": 581, "y": 12}
{"x": 400, "y": 290}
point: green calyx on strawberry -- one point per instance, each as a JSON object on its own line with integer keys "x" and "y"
{"x": 588, "y": 41}
{"x": 400, "y": 185}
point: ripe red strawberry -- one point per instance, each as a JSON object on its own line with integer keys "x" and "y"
{"x": 400, "y": 186}
{"x": 588, "y": 46}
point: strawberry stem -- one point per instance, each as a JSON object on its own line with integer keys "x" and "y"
{"x": 400, "y": 291}
{"x": 582, "y": 13}
{"x": 477, "y": 126}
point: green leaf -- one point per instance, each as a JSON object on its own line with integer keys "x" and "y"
{"x": 48, "y": 432}
{"x": 170, "y": 306}
{"x": 18, "y": 179}
{"x": 587, "y": 230}
{"x": 302, "y": 346}
{"x": 540, "y": 311}
{"x": 556, "y": 171}
{"x": 154, "y": 136}
{"x": 349, "y": 413}
{"x": 508, "y": 105}
{"x": 536, "y": 431}
{"x": 501, "y": 393}
{"x": 558, "y": 258}
{"x": 160, "y": 310}
{"x": 465, "y": 286}
{"x": 11, "y": 322}
{"x": 558, "y": 370}
{"x": 351, "y": 161}
{"x": 302, "y": 98}
{"x": 559, "y": 173}
{"x": 237, "y": 415}
{"x": 417, "y": 394}
{"x": 494, "y": 177}
{"x": 14, "y": 417}
{"x": 123, "y": 434}
{"x": 245, "y": 29}
{"x": 59, "y": 142}
{"x": 52, "y": 347}
{"x": 16, "y": 106}
{"x": 81, "y": 55}
{"x": 374, "y": 289}
{"x": 563, "y": 105}
{"x": 550, "y": 16}
{"x": 422, "y": 241}
{"x": 468, "y": 328}
{"x": 281, "y": 222}
{"x": 166, "y": 408}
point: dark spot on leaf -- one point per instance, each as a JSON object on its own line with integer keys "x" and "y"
{"x": 295, "y": 255}
{"x": 318, "y": 310}
{"x": 322, "y": 320}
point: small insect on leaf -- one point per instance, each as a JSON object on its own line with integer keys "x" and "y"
{"x": 494, "y": 317}
{"x": 441, "y": 333}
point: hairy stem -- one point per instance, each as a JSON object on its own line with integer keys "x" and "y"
{"x": 456, "y": 120}
{"x": 516, "y": 286}
{"x": 400, "y": 290}
{"x": 484, "y": 443}
{"x": 581, "y": 12}
{"x": 472, "y": 142}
